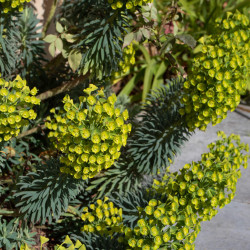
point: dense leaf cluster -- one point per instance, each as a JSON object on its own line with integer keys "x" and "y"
{"x": 89, "y": 134}
{"x": 128, "y": 4}
{"x": 9, "y": 5}
{"x": 31, "y": 47}
{"x": 154, "y": 142}
{"x": 219, "y": 73}
{"x": 12, "y": 237}
{"x": 186, "y": 198}
{"x": 159, "y": 137}
{"x": 16, "y": 103}
{"x": 9, "y": 34}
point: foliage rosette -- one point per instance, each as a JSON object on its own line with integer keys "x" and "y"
{"x": 10, "y": 5}
{"x": 16, "y": 103}
{"x": 219, "y": 73}
{"x": 45, "y": 194}
{"x": 89, "y": 134}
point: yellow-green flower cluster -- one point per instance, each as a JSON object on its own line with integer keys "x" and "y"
{"x": 160, "y": 225}
{"x": 67, "y": 242}
{"x": 190, "y": 196}
{"x": 219, "y": 74}
{"x": 126, "y": 63}
{"x": 8, "y": 5}
{"x": 102, "y": 218}
{"x": 16, "y": 103}
{"x": 129, "y": 4}
{"x": 195, "y": 193}
{"x": 89, "y": 134}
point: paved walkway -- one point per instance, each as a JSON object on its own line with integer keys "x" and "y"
{"x": 230, "y": 228}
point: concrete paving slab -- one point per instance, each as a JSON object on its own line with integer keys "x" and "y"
{"x": 228, "y": 230}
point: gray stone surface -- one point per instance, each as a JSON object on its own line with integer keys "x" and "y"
{"x": 230, "y": 228}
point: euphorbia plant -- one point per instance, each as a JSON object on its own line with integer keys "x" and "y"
{"x": 94, "y": 148}
{"x": 219, "y": 73}
{"x": 181, "y": 201}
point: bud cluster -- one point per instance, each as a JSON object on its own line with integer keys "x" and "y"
{"x": 129, "y": 4}
{"x": 102, "y": 218}
{"x": 199, "y": 189}
{"x": 219, "y": 72}
{"x": 89, "y": 134}
{"x": 16, "y": 103}
{"x": 163, "y": 224}
{"x": 8, "y": 5}
{"x": 127, "y": 62}
{"x": 185, "y": 199}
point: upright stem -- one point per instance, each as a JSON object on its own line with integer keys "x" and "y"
{"x": 50, "y": 17}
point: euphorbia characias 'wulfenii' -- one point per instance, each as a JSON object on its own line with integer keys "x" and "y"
{"x": 102, "y": 218}
{"x": 16, "y": 103}
{"x": 127, "y": 62}
{"x": 129, "y": 4}
{"x": 89, "y": 134}
{"x": 184, "y": 200}
{"x": 219, "y": 73}
{"x": 194, "y": 194}
{"x": 8, "y": 5}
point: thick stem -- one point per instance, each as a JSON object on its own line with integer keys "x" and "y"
{"x": 64, "y": 87}
{"x": 31, "y": 131}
